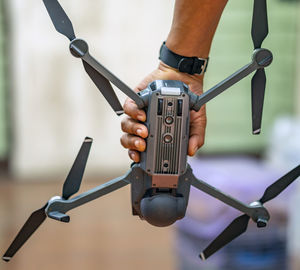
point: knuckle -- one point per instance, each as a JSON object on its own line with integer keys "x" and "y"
{"x": 127, "y": 105}
{"x": 130, "y": 108}
{"x": 124, "y": 124}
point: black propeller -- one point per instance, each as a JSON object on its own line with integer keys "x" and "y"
{"x": 73, "y": 181}
{"x": 107, "y": 91}
{"x": 60, "y": 19}
{"x": 281, "y": 184}
{"x": 79, "y": 48}
{"x": 71, "y": 186}
{"x": 240, "y": 224}
{"x": 235, "y": 229}
{"x": 31, "y": 225}
{"x": 259, "y": 32}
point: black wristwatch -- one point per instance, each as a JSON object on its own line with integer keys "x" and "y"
{"x": 190, "y": 65}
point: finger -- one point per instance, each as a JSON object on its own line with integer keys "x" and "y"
{"x": 195, "y": 142}
{"x": 131, "y": 109}
{"x": 134, "y": 155}
{"x": 131, "y": 126}
{"x": 197, "y": 131}
{"x": 133, "y": 142}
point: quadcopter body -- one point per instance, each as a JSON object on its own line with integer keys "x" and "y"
{"x": 160, "y": 196}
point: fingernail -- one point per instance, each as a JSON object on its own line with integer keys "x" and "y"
{"x": 139, "y": 131}
{"x": 195, "y": 150}
{"x": 132, "y": 156}
{"x": 137, "y": 143}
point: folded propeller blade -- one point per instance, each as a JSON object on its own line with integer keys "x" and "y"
{"x": 258, "y": 85}
{"x": 60, "y": 19}
{"x": 31, "y": 225}
{"x": 259, "y": 31}
{"x": 73, "y": 181}
{"x": 281, "y": 184}
{"x": 105, "y": 88}
{"x": 233, "y": 230}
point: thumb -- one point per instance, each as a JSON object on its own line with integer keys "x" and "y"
{"x": 195, "y": 142}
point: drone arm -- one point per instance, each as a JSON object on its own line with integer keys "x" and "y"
{"x": 210, "y": 190}
{"x": 61, "y": 206}
{"x": 224, "y": 85}
{"x": 260, "y": 58}
{"x": 115, "y": 80}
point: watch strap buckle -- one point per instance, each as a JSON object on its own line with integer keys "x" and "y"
{"x": 193, "y": 65}
{"x": 190, "y": 65}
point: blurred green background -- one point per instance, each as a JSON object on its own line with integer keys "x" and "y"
{"x": 229, "y": 115}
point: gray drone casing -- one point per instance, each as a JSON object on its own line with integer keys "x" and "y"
{"x": 164, "y": 163}
{"x": 168, "y": 128}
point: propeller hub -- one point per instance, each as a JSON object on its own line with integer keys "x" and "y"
{"x": 54, "y": 198}
{"x": 260, "y": 216}
{"x": 78, "y": 48}
{"x": 262, "y": 57}
{"x": 256, "y": 204}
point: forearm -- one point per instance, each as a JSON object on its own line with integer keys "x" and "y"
{"x": 194, "y": 25}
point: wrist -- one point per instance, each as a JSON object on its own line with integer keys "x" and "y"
{"x": 188, "y": 46}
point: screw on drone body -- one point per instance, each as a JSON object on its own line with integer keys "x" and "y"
{"x": 169, "y": 120}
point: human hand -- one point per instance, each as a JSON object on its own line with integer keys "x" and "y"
{"x": 135, "y": 132}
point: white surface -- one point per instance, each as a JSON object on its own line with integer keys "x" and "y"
{"x": 170, "y": 91}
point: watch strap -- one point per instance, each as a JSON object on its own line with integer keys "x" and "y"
{"x": 190, "y": 65}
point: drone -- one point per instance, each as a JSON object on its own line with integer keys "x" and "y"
{"x": 161, "y": 181}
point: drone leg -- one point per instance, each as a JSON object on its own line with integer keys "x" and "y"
{"x": 62, "y": 206}
{"x": 59, "y": 216}
{"x": 251, "y": 211}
